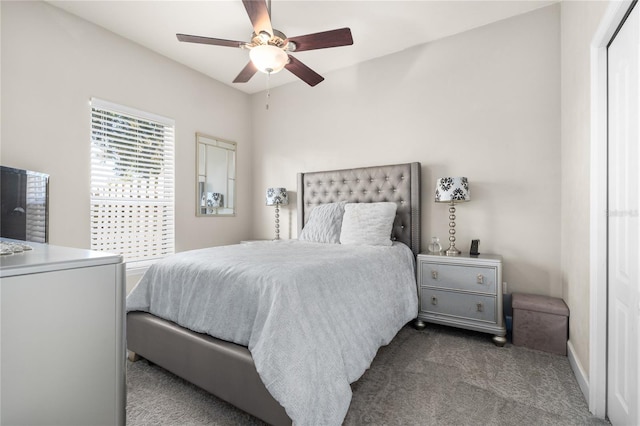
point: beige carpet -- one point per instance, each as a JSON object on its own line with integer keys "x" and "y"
{"x": 438, "y": 376}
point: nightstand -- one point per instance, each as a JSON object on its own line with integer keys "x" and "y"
{"x": 462, "y": 291}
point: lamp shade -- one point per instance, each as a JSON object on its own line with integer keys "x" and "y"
{"x": 452, "y": 189}
{"x": 214, "y": 199}
{"x": 268, "y": 58}
{"x": 277, "y": 196}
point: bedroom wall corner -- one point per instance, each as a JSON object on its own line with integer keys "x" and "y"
{"x": 579, "y": 21}
{"x": 483, "y": 104}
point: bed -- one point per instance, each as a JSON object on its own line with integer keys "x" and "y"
{"x": 225, "y": 366}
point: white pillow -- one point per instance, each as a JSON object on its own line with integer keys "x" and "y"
{"x": 368, "y": 223}
{"x": 324, "y": 224}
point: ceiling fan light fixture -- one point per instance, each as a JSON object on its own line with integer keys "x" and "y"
{"x": 264, "y": 36}
{"x": 291, "y": 46}
{"x": 268, "y": 59}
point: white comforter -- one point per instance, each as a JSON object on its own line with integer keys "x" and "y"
{"x": 312, "y": 315}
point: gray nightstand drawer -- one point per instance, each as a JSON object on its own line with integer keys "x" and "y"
{"x": 461, "y": 277}
{"x": 463, "y": 305}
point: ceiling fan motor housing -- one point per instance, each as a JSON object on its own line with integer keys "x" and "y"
{"x": 278, "y": 39}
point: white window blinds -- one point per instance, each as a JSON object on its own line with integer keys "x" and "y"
{"x": 132, "y": 183}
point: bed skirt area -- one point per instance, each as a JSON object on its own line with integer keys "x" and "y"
{"x": 225, "y": 369}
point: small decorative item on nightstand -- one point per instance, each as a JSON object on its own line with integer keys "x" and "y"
{"x": 474, "y": 248}
{"x": 462, "y": 291}
{"x": 435, "y": 246}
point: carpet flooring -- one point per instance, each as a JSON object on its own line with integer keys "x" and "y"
{"x": 437, "y": 376}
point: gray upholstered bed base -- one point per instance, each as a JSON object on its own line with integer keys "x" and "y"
{"x": 217, "y": 366}
{"x": 226, "y": 369}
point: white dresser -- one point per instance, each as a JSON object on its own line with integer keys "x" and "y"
{"x": 62, "y": 347}
{"x": 462, "y": 291}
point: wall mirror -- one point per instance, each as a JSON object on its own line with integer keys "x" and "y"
{"x": 216, "y": 176}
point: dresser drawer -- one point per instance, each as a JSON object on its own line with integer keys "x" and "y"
{"x": 464, "y": 305}
{"x": 460, "y": 277}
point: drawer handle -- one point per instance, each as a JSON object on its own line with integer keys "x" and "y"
{"x": 434, "y": 300}
{"x": 480, "y": 307}
{"x": 434, "y": 274}
{"x": 480, "y": 279}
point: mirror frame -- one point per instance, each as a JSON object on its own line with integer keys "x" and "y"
{"x": 213, "y": 141}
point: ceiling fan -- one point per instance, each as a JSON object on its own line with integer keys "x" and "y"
{"x": 269, "y": 48}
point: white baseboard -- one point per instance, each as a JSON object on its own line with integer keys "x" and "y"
{"x": 578, "y": 371}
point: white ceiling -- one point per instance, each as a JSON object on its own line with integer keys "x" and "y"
{"x": 378, "y": 27}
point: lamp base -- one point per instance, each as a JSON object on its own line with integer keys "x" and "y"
{"x": 452, "y": 251}
{"x": 277, "y": 221}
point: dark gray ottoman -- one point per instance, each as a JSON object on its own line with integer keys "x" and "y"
{"x": 540, "y": 322}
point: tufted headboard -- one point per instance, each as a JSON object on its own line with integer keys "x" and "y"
{"x": 399, "y": 183}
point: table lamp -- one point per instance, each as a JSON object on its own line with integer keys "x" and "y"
{"x": 452, "y": 190}
{"x": 277, "y": 197}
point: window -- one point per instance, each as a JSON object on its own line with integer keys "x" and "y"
{"x": 132, "y": 183}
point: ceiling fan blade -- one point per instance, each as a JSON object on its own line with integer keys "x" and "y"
{"x": 323, "y": 40}
{"x": 247, "y": 72}
{"x": 208, "y": 40}
{"x": 303, "y": 72}
{"x": 259, "y": 16}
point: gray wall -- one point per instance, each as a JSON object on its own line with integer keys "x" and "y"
{"x": 483, "y": 104}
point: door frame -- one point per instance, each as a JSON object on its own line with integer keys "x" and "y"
{"x": 614, "y": 15}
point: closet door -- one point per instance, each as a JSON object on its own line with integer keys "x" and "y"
{"x": 624, "y": 233}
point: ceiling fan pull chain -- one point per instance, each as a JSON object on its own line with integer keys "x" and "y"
{"x": 268, "y": 89}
